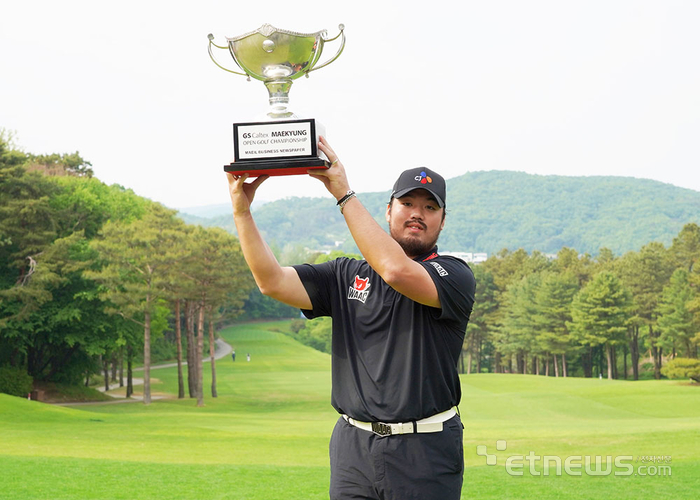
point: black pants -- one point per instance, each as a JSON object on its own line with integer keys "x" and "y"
{"x": 403, "y": 467}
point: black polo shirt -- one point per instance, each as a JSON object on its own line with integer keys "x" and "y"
{"x": 393, "y": 359}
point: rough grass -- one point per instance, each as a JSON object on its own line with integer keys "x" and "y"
{"x": 62, "y": 393}
{"x": 266, "y": 435}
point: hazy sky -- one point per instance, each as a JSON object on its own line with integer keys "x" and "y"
{"x": 546, "y": 87}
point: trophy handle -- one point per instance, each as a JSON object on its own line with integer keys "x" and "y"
{"x": 211, "y": 42}
{"x": 341, "y": 27}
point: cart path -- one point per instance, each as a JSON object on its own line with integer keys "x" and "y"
{"x": 221, "y": 349}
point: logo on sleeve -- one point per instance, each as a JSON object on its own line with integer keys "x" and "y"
{"x": 359, "y": 289}
{"x": 441, "y": 270}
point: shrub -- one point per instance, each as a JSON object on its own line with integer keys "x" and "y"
{"x": 297, "y": 324}
{"x": 682, "y": 368}
{"x": 15, "y": 381}
{"x": 317, "y": 334}
{"x": 647, "y": 366}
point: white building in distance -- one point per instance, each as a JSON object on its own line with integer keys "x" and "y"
{"x": 471, "y": 257}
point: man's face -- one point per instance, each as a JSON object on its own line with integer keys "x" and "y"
{"x": 415, "y": 221}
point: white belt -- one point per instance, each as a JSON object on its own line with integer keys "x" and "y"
{"x": 430, "y": 424}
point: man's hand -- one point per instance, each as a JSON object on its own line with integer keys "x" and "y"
{"x": 334, "y": 178}
{"x": 242, "y": 193}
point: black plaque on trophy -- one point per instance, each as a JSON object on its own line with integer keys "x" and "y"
{"x": 279, "y": 147}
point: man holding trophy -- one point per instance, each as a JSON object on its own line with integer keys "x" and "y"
{"x": 399, "y": 319}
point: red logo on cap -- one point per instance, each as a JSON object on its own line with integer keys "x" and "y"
{"x": 423, "y": 178}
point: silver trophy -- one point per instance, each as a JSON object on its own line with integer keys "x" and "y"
{"x": 281, "y": 143}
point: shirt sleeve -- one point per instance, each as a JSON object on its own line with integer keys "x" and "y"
{"x": 319, "y": 281}
{"x": 456, "y": 287}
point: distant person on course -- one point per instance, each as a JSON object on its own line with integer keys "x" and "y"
{"x": 399, "y": 319}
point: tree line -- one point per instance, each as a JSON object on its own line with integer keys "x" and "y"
{"x": 585, "y": 316}
{"x": 91, "y": 275}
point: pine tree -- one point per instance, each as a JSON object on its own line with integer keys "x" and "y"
{"x": 553, "y": 311}
{"x": 217, "y": 276}
{"x": 518, "y": 329}
{"x": 676, "y": 321}
{"x": 599, "y": 314}
{"x": 482, "y": 320}
{"x": 139, "y": 259}
{"x": 644, "y": 274}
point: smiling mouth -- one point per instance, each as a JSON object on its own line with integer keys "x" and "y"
{"x": 415, "y": 225}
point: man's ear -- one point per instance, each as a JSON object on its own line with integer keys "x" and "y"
{"x": 387, "y": 215}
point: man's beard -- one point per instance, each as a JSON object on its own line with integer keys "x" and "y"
{"x": 412, "y": 246}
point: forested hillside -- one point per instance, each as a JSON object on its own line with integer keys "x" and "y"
{"x": 490, "y": 211}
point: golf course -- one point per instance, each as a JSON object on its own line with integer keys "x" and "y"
{"x": 266, "y": 435}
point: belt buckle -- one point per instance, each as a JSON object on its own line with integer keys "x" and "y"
{"x": 381, "y": 429}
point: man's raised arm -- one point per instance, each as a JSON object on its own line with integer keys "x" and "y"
{"x": 379, "y": 249}
{"x": 280, "y": 283}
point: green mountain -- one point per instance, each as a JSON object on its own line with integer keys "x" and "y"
{"x": 489, "y": 211}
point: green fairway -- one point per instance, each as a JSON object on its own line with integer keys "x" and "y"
{"x": 266, "y": 435}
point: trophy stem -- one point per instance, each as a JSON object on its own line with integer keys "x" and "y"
{"x": 279, "y": 98}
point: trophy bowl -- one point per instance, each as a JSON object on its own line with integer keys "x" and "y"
{"x": 269, "y": 53}
{"x": 277, "y": 57}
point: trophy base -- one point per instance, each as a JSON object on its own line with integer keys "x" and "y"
{"x": 276, "y": 167}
